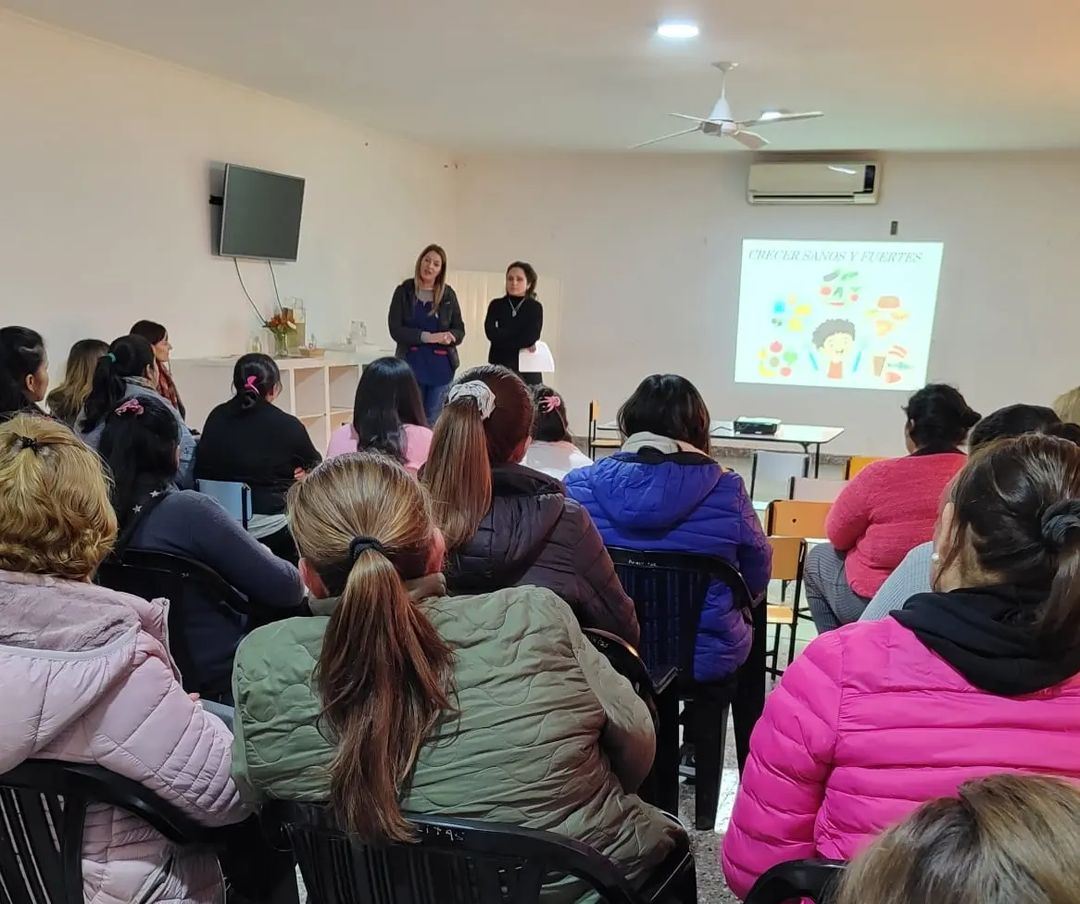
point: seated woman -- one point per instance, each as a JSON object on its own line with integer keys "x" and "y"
{"x": 388, "y": 416}
{"x": 89, "y": 678}
{"x": 552, "y": 450}
{"x": 490, "y": 707}
{"x": 158, "y": 337}
{"x": 250, "y": 440}
{"x": 506, "y": 525}
{"x": 912, "y": 575}
{"x": 24, "y": 371}
{"x": 1007, "y": 839}
{"x": 980, "y": 676}
{"x": 663, "y": 492}
{"x": 140, "y": 446}
{"x": 887, "y": 509}
{"x": 66, "y": 400}
{"x": 128, "y": 370}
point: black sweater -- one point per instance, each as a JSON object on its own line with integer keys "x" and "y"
{"x": 261, "y": 446}
{"x": 509, "y": 334}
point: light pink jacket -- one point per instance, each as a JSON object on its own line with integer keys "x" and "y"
{"x": 866, "y": 725}
{"x": 95, "y": 684}
{"x": 417, "y": 444}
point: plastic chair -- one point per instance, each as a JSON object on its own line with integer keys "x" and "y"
{"x": 814, "y": 880}
{"x": 462, "y": 861}
{"x": 43, "y": 807}
{"x": 234, "y": 496}
{"x": 796, "y": 518}
{"x": 778, "y": 468}
{"x": 815, "y": 489}
{"x": 158, "y": 575}
{"x": 668, "y": 590}
{"x": 788, "y": 559}
{"x": 595, "y": 442}
{"x": 857, "y": 463}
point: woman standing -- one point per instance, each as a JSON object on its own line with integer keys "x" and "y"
{"x": 425, "y": 322}
{"x": 66, "y": 401}
{"x": 514, "y": 322}
{"x": 158, "y": 337}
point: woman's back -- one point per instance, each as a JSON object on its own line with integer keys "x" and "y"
{"x": 547, "y": 735}
{"x": 867, "y": 724}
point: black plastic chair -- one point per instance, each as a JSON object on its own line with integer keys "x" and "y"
{"x": 668, "y": 590}
{"x": 42, "y": 810}
{"x": 816, "y": 880}
{"x": 462, "y": 861}
{"x": 154, "y": 575}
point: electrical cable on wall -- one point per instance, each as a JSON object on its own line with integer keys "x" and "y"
{"x": 273, "y": 276}
{"x": 251, "y": 301}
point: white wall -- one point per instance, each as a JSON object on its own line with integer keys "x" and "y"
{"x": 648, "y": 250}
{"x": 105, "y": 156}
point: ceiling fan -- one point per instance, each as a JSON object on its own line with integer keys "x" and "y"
{"x": 720, "y": 122}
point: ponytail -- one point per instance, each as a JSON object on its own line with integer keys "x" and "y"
{"x": 1059, "y": 623}
{"x": 487, "y": 420}
{"x": 363, "y": 523}
{"x": 128, "y": 356}
{"x": 255, "y": 377}
{"x": 382, "y": 676}
{"x": 458, "y": 472}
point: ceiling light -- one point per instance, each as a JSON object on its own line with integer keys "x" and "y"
{"x": 766, "y": 115}
{"x": 678, "y": 31}
{"x": 846, "y": 170}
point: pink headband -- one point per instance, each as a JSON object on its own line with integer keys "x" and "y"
{"x": 249, "y": 384}
{"x": 131, "y": 406}
{"x": 550, "y": 403}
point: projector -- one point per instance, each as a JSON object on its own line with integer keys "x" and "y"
{"x": 756, "y": 426}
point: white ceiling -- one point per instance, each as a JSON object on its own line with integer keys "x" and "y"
{"x": 504, "y": 75}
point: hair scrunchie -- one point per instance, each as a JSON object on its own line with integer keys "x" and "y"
{"x": 1060, "y": 524}
{"x": 479, "y": 392}
{"x": 132, "y": 406}
{"x": 363, "y": 544}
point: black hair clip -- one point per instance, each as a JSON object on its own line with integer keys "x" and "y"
{"x": 29, "y": 443}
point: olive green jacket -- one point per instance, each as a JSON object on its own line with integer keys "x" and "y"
{"x": 547, "y": 736}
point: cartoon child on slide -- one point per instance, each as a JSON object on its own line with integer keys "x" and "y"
{"x": 835, "y": 340}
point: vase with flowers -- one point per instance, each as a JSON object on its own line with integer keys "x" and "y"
{"x": 280, "y": 326}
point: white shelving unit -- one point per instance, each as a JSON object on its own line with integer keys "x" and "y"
{"x": 318, "y": 391}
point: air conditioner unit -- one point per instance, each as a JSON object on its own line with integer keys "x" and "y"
{"x": 824, "y": 182}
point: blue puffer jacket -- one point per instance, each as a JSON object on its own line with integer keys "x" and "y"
{"x": 683, "y": 502}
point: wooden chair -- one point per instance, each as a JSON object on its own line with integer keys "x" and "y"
{"x": 857, "y": 463}
{"x": 815, "y": 489}
{"x": 796, "y": 518}
{"x": 788, "y": 559}
{"x": 594, "y": 441}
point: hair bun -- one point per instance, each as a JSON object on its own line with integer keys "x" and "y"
{"x": 1061, "y": 524}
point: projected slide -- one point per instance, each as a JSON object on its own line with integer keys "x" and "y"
{"x": 854, "y": 315}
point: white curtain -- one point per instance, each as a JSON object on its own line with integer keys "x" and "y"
{"x": 476, "y": 288}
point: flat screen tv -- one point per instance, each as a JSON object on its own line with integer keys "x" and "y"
{"x": 260, "y": 214}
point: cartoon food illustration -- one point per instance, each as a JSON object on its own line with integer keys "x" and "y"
{"x": 775, "y": 360}
{"x": 841, "y": 288}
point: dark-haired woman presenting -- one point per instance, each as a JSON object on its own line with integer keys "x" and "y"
{"x": 250, "y": 440}
{"x": 515, "y": 321}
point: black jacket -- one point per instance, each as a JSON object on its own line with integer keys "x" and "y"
{"x": 534, "y": 534}
{"x": 509, "y": 334}
{"x": 401, "y": 306}
{"x": 261, "y": 446}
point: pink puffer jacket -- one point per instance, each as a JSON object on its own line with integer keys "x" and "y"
{"x": 95, "y": 684}
{"x": 866, "y": 725}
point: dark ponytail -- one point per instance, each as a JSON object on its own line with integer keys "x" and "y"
{"x": 255, "y": 377}
{"x": 550, "y": 424}
{"x": 939, "y": 418}
{"x": 128, "y": 356}
{"x": 1019, "y": 502}
{"x": 384, "y": 673}
{"x": 22, "y": 352}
